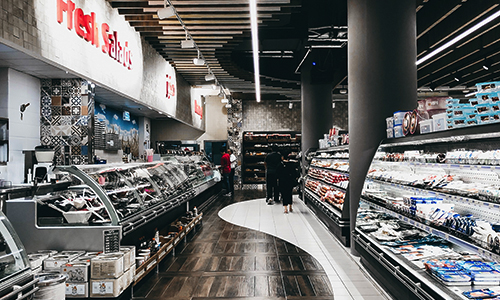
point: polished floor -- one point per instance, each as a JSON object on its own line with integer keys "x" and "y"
{"x": 243, "y": 251}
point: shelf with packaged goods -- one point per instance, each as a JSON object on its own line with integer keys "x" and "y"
{"x": 168, "y": 246}
{"x": 334, "y": 149}
{"x": 256, "y": 145}
{"x": 445, "y": 184}
{"x": 128, "y": 197}
{"x": 331, "y": 182}
{"x": 398, "y": 275}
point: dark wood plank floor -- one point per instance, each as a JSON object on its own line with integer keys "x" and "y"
{"x": 225, "y": 261}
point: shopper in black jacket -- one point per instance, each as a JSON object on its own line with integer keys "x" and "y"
{"x": 288, "y": 179}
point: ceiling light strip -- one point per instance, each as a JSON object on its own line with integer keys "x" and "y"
{"x": 459, "y": 37}
{"x": 255, "y": 47}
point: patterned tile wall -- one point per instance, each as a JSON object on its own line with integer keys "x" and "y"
{"x": 271, "y": 116}
{"x": 235, "y": 135}
{"x": 340, "y": 115}
{"x": 66, "y": 107}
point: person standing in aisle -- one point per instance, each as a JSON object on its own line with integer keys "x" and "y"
{"x": 272, "y": 163}
{"x": 288, "y": 175}
{"x": 233, "y": 161}
{"x": 226, "y": 170}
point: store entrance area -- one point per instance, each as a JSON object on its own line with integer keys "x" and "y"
{"x": 246, "y": 250}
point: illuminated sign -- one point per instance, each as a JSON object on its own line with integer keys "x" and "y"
{"x": 87, "y": 28}
{"x": 170, "y": 91}
{"x": 198, "y": 109}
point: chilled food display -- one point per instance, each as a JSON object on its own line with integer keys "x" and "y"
{"x": 446, "y": 188}
{"x": 326, "y": 193}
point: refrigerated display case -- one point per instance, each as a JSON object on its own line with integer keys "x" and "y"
{"x": 327, "y": 189}
{"x": 429, "y": 210}
{"x": 126, "y": 197}
{"x": 15, "y": 269}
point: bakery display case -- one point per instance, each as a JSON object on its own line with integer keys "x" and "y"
{"x": 427, "y": 225}
{"x": 15, "y": 269}
{"x": 256, "y": 146}
{"x": 126, "y": 197}
{"x": 326, "y": 189}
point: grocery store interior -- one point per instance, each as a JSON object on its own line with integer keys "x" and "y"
{"x": 151, "y": 149}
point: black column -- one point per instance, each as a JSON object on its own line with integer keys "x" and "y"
{"x": 382, "y": 78}
{"x": 317, "y": 111}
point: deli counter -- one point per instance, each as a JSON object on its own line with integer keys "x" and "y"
{"x": 129, "y": 198}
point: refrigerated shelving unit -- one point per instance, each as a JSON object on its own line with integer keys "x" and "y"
{"x": 330, "y": 161}
{"x": 396, "y": 162}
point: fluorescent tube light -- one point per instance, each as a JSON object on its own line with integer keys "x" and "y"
{"x": 165, "y": 12}
{"x": 458, "y": 38}
{"x": 255, "y": 47}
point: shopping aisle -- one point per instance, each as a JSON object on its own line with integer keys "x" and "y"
{"x": 303, "y": 229}
{"x": 227, "y": 261}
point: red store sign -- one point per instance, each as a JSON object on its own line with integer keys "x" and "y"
{"x": 198, "y": 109}
{"x": 86, "y": 27}
{"x": 170, "y": 87}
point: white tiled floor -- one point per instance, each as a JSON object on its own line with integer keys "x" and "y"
{"x": 303, "y": 229}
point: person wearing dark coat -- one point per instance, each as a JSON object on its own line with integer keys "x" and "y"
{"x": 288, "y": 179}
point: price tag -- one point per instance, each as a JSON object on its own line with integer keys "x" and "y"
{"x": 111, "y": 241}
{"x": 176, "y": 240}
{"x": 182, "y": 234}
{"x": 169, "y": 247}
{"x": 151, "y": 264}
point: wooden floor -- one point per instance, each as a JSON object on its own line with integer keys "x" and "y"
{"x": 225, "y": 261}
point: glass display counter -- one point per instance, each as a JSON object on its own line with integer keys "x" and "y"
{"x": 14, "y": 264}
{"x": 427, "y": 227}
{"x": 101, "y": 197}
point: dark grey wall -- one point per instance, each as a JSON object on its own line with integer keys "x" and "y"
{"x": 271, "y": 116}
{"x": 184, "y": 109}
{"x": 341, "y": 115}
{"x": 167, "y": 130}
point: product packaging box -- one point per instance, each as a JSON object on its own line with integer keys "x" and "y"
{"x": 398, "y": 118}
{"x": 55, "y": 262}
{"x": 389, "y": 122}
{"x": 104, "y": 288}
{"x": 128, "y": 256}
{"x": 390, "y": 133}
{"x": 439, "y": 122}
{"x": 72, "y": 254}
{"x": 483, "y": 118}
{"x": 107, "y": 266}
{"x": 490, "y": 86}
{"x": 398, "y": 131}
{"x": 77, "y": 289}
{"x": 76, "y": 271}
{"x": 426, "y": 126}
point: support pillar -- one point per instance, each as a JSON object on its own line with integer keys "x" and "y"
{"x": 382, "y": 78}
{"x": 317, "y": 111}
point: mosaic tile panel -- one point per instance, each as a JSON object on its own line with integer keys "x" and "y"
{"x": 65, "y": 108}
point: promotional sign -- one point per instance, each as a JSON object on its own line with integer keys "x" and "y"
{"x": 198, "y": 109}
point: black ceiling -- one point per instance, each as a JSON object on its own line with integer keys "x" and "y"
{"x": 289, "y": 27}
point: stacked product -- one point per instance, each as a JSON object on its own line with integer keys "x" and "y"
{"x": 112, "y": 273}
{"x": 458, "y": 272}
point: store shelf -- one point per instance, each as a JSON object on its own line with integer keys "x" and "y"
{"x": 330, "y": 169}
{"x": 337, "y": 187}
{"x": 331, "y": 216}
{"x": 470, "y": 186}
{"x": 446, "y": 235}
{"x": 334, "y": 149}
{"x": 248, "y": 146}
{"x": 396, "y": 275}
{"x": 153, "y": 262}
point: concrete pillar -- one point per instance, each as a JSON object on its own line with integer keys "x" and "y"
{"x": 317, "y": 111}
{"x": 382, "y": 78}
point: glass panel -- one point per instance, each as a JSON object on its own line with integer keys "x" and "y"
{"x": 13, "y": 257}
